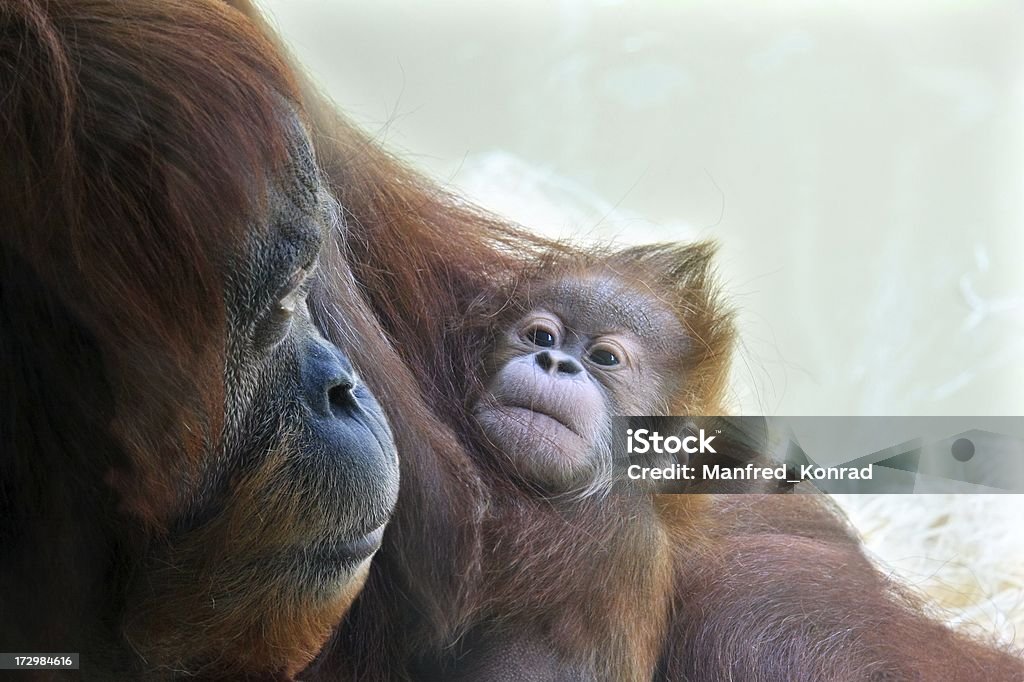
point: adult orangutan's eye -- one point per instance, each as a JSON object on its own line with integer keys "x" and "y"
{"x": 276, "y": 323}
{"x": 294, "y": 293}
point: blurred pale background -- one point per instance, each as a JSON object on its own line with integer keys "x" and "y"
{"x": 860, "y": 162}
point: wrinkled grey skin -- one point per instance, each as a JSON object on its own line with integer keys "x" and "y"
{"x": 549, "y": 408}
{"x": 289, "y": 388}
{"x": 294, "y": 504}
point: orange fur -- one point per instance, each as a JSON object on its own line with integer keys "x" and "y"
{"x": 663, "y": 587}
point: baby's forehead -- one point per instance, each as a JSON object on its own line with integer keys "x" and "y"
{"x": 605, "y": 303}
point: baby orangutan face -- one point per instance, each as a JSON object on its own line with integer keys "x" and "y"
{"x": 589, "y": 348}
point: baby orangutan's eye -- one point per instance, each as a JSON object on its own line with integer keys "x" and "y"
{"x": 540, "y": 336}
{"x": 602, "y": 356}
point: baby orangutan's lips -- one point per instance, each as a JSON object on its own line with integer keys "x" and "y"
{"x": 535, "y": 410}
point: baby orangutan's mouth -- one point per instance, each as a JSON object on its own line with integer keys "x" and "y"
{"x": 543, "y": 415}
{"x": 529, "y": 425}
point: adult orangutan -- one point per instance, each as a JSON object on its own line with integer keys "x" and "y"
{"x": 505, "y": 580}
{"x": 192, "y": 477}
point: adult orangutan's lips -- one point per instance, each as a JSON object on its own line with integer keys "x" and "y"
{"x": 352, "y": 551}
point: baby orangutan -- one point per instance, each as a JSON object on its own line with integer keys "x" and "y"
{"x": 565, "y": 347}
{"x": 579, "y": 579}
{"x": 631, "y": 333}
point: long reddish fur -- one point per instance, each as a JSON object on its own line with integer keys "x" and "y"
{"x": 676, "y": 588}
